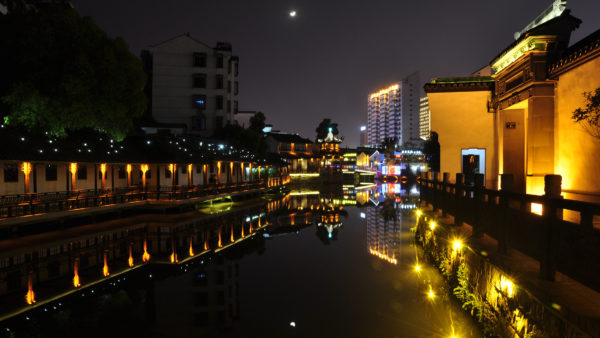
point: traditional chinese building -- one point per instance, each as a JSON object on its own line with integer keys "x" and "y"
{"x": 519, "y": 120}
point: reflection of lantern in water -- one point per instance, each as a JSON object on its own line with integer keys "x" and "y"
{"x": 220, "y": 244}
{"x": 30, "y": 296}
{"x": 105, "y": 267}
{"x": 243, "y": 230}
{"x": 130, "y": 260}
{"x": 232, "y": 237}
{"x": 191, "y": 247}
{"x": 146, "y": 255}
{"x": 76, "y": 282}
{"x": 173, "y": 253}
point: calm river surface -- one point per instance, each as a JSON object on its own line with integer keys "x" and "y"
{"x": 327, "y": 265}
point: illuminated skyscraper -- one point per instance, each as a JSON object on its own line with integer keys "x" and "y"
{"x": 393, "y": 112}
{"x": 424, "y": 124}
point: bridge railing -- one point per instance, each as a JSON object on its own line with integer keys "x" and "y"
{"x": 560, "y": 234}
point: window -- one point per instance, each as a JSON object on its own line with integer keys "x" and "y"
{"x": 199, "y": 80}
{"x": 229, "y": 106}
{"x": 219, "y": 102}
{"x": 148, "y": 174}
{"x": 122, "y": 172}
{"x": 236, "y": 88}
{"x": 199, "y": 101}
{"x": 51, "y": 172}
{"x": 219, "y": 122}
{"x": 167, "y": 172}
{"x": 105, "y": 175}
{"x": 219, "y": 81}
{"x": 235, "y": 106}
{"x": 236, "y": 70}
{"x": 199, "y": 59}
{"x": 11, "y": 173}
{"x": 219, "y": 60}
{"x": 229, "y": 67}
{"x": 229, "y": 86}
{"x": 198, "y": 169}
{"x": 82, "y": 172}
{"x": 198, "y": 123}
{"x": 184, "y": 169}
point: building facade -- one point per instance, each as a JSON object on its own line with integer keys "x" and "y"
{"x": 193, "y": 84}
{"x": 393, "y": 112}
{"x": 519, "y": 121}
{"x": 424, "y": 122}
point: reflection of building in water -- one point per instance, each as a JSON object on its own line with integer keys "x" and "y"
{"x": 383, "y": 236}
{"x": 207, "y": 300}
{"x": 406, "y": 196}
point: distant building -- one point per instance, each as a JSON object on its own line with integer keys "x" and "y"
{"x": 424, "y": 124}
{"x": 364, "y": 136}
{"x": 393, "y": 112}
{"x": 192, "y": 83}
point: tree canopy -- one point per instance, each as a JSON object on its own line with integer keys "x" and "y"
{"x": 61, "y": 72}
{"x": 257, "y": 122}
{"x": 589, "y": 116}
{"x": 323, "y": 128}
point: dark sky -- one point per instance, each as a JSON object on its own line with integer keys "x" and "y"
{"x": 326, "y": 60}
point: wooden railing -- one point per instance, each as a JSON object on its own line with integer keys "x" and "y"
{"x": 34, "y": 203}
{"x": 570, "y": 244}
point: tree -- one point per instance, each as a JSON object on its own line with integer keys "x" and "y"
{"x": 589, "y": 116}
{"x": 257, "y": 122}
{"x": 323, "y": 128}
{"x": 431, "y": 149}
{"x": 61, "y": 72}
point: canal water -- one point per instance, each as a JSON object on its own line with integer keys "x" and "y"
{"x": 322, "y": 264}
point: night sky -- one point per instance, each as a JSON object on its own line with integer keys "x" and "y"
{"x": 326, "y": 60}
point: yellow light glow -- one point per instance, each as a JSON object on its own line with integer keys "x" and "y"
{"x": 384, "y": 91}
{"x": 383, "y": 256}
{"x": 146, "y": 255}
{"x": 417, "y": 268}
{"x": 457, "y": 245}
{"x": 128, "y": 168}
{"x": 537, "y": 208}
{"x": 419, "y": 213}
{"x": 76, "y": 281}
{"x": 507, "y": 286}
{"x": 73, "y": 168}
{"x": 26, "y": 168}
{"x": 30, "y": 296}
{"x": 144, "y": 168}
{"x": 105, "y": 271}
{"x": 103, "y": 168}
{"x": 432, "y": 225}
{"x": 130, "y": 259}
{"x": 430, "y": 293}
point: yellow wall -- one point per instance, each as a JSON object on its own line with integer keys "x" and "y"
{"x": 462, "y": 121}
{"x": 577, "y": 152}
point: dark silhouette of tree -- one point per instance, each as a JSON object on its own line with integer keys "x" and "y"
{"x": 323, "y": 128}
{"x": 61, "y": 72}
{"x": 257, "y": 122}
{"x": 589, "y": 116}
{"x": 431, "y": 149}
{"x": 248, "y": 139}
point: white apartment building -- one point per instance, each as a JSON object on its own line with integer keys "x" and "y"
{"x": 424, "y": 123}
{"x": 192, "y": 84}
{"x": 393, "y": 112}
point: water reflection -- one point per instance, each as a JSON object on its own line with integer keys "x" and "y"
{"x": 248, "y": 272}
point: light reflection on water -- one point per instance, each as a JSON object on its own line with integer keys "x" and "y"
{"x": 318, "y": 264}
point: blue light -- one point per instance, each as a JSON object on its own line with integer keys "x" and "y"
{"x": 330, "y": 235}
{"x": 200, "y": 101}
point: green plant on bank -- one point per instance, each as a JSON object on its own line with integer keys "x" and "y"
{"x": 473, "y": 303}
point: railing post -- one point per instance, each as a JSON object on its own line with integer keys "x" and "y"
{"x": 436, "y": 192}
{"x": 506, "y": 186}
{"x": 445, "y": 199}
{"x": 478, "y": 206}
{"x": 552, "y": 216}
{"x": 458, "y": 196}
